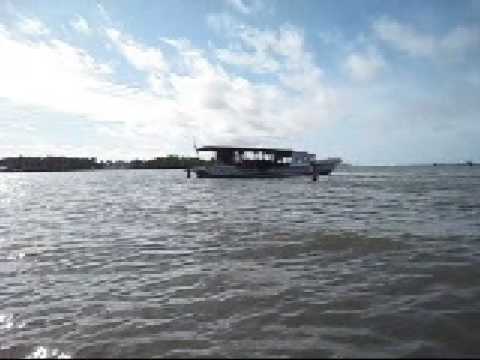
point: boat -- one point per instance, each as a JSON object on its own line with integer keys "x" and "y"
{"x": 258, "y": 162}
{"x": 466, "y": 163}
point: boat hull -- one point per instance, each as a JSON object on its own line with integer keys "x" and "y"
{"x": 205, "y": 175}
{"x": 235, "y": 172}
{"x": 325, "y": 167}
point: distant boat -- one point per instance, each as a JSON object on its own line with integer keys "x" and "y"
{"x": 257, "y": 162}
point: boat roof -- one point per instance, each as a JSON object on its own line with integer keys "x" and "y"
{"x": 237, "y": 148}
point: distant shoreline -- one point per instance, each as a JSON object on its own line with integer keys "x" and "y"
{"x": 87, "y": 170}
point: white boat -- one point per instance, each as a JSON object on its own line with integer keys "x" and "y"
{"x": 254, "y": 162}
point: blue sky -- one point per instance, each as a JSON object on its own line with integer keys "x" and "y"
{"x": 375, "y": 82}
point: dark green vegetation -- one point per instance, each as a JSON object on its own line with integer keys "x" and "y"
{"x": 168, "y": 162}
{"x": 49, "y": 163}
{"x": 59, "y": 163}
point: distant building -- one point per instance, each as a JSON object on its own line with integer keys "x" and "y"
{"x": 119, "y": 164}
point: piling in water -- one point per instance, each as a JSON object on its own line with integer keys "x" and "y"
{"x": 315, "y": 173}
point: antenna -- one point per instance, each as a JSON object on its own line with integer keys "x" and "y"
{"x": 195, "y": 145}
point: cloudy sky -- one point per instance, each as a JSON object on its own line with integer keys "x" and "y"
{"x": 375, "y": 82}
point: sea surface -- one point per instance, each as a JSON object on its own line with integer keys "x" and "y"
{"x": 370, "y": 261}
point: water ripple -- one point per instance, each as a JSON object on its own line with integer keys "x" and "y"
{"x": 370, "y": 262}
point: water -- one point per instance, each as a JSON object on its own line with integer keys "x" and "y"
{"x": 379, "y": 261}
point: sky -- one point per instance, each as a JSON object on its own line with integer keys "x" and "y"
{"x": 375, "y": 82}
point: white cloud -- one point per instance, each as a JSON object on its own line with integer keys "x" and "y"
{"x": 259, "y": 62}
{"x": 404, "y": 37}
{"x": 103, "y": 13}
{"x": 81, "y": 25}
{"x": 66, "y": 79}
{"x": 261, "y": 51}
{"x": 142, "y": 57}
{"x": 33, "y": 26}
{"x": 240, "y": 6}
{"x": 247, "y": 7}
{"x": 364, "y": 66}
{"x": 453, "y": 45}
{"x": 300, "y": 99}
{"x": 191, "y": 91}
{"x": 224, "y": 23}
{"x": 460, "y": 39}
{"x": 186, "y": 93}
{"x": 148, "y": 59}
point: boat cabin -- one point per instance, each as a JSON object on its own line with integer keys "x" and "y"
{"x": 249, "y": 157}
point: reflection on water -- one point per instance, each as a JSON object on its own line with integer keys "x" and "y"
{"x": 369, "y": 262}
{"x": 41, "y": 352}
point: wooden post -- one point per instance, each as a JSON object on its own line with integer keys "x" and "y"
{"x": 315, "y": 173}
{"x": 188, "y": 173}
